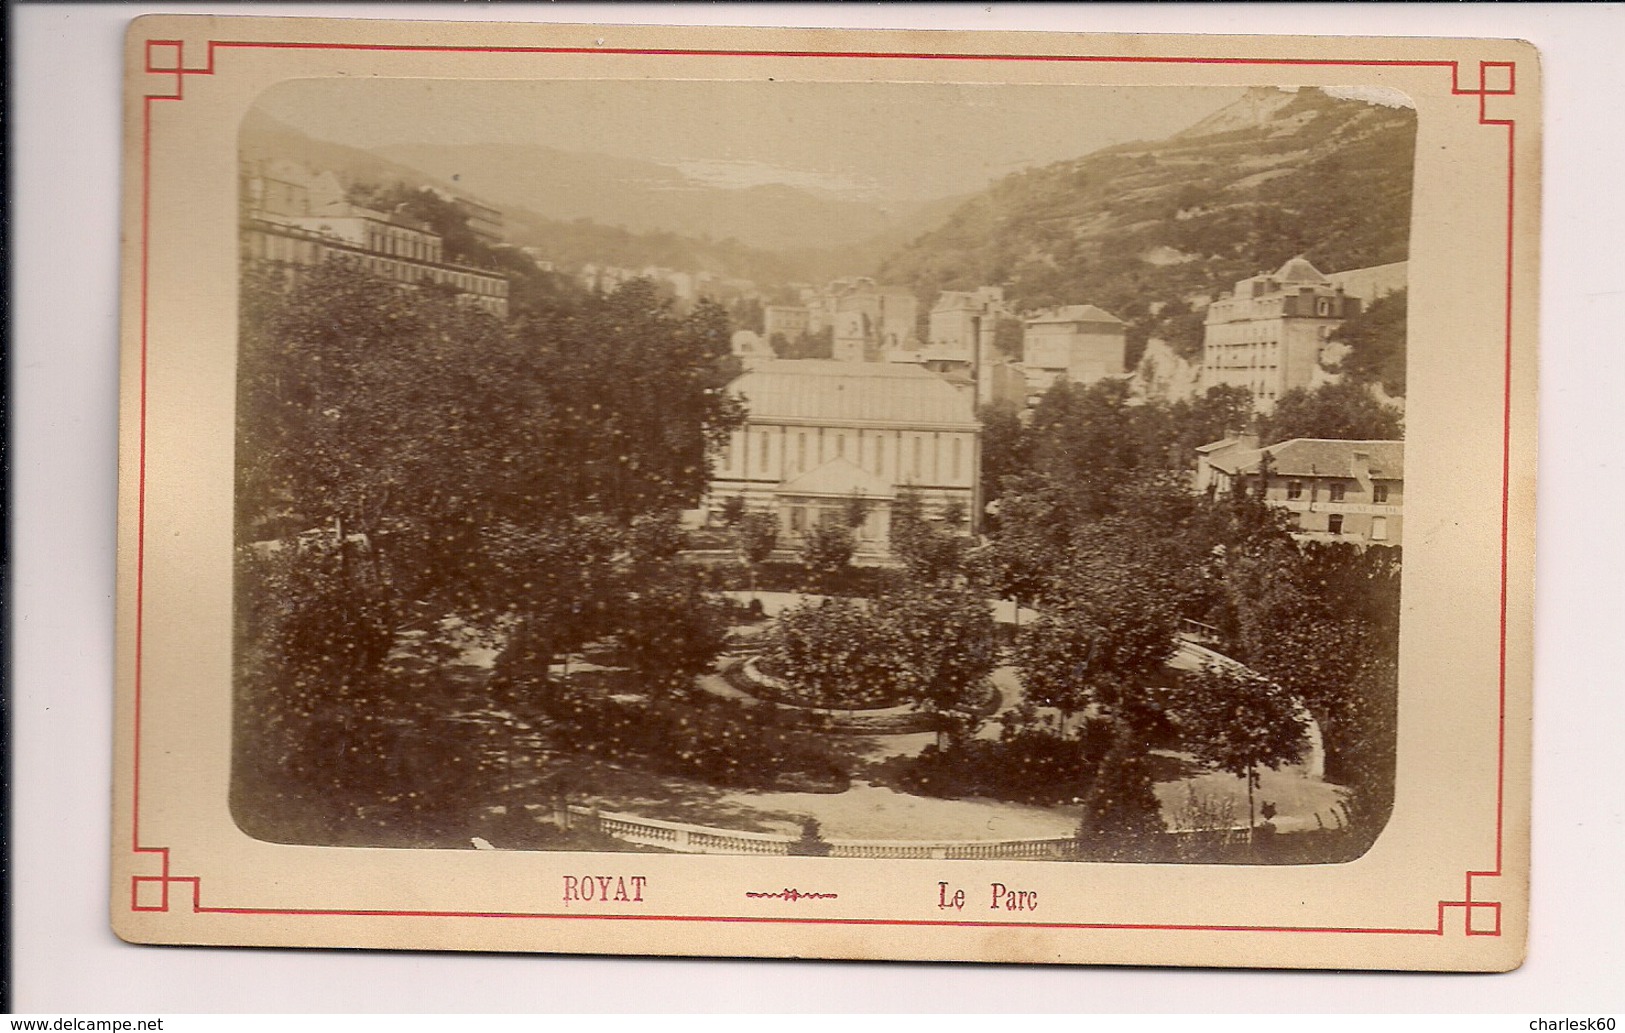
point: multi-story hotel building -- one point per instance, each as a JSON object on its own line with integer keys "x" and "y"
{"x": 292, "y": 217}
{"x": 1267, "y": 335}
{"x": 822, "y": 432}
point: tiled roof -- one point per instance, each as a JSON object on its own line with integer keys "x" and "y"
{"x": 1076, "y": 314}
{"x": 873, "y": 393}
{"x": 1319, "y": 457}
{"x": 1298, "y": 270}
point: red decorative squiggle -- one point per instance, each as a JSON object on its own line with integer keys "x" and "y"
{"x": 792, "y": 895}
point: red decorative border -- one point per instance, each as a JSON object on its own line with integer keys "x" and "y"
{"x": 1495, "y": 79}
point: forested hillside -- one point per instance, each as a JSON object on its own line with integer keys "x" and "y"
{"x": 1133, "y": 225}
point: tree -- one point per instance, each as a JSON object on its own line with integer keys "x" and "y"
{"x": 672, "y": 631}
{"x": 1344, "y": 410}
{"x": 638, "y": 401}
{"x": 931, "y": 553}
{"x": 1019, "y": 560}
{"x": 1376, "y": 342}
{"x": 733, "y": 510}
{"x": 1094, "y": 652}
{"x": 827, "y": 549}
{"x": 856, "y": 510}
{"x": 382, "y": 412}
{"x": 1108, "y": 622}
{"x": 1056, "y": 656}
{"x": 1322, "y": 621}
{"x": 560, "y": 586}
{"x": 1238, "y": 722}
{"x": 835, "y": 653}
{"x": 1009, "y": 337}
{"x": 943, "y": 646}
{"x": 1120, "y": 809}
{"x": 1006, "y": 449}
{"x": 1224, "y": 409}
{"x": 758, "y": 534}
{"x": 655, "y": 538}
{"x": 461, "y": 468}
{"x": 1087, "y": 442}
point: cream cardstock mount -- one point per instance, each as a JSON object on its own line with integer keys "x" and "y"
{"x": 1443, "y": 887}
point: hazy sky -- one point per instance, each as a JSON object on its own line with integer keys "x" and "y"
{"x": 900, "y": 140}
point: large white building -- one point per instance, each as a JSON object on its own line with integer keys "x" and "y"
{"x": 1268, "y": 334}
{"x": 821, "y": 432}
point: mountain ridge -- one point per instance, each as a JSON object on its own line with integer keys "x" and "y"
{"x": 1163, "y": 223}
{"x": 648, "y": 196}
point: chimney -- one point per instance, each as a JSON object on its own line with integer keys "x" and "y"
{"x": 1362, "y": 468}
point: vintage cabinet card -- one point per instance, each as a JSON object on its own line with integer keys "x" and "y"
{"x": 882, "y": 495}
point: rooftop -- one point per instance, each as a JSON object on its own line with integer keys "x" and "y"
{"x": 1318, "y": 457}
{"x": 1075, "y": 314}
{"x": 1298, "y": 270}
{"x": 823, "y": 390}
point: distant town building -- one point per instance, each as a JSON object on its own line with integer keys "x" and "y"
{"x": 1335, "y": 490}
{"x": 299, "y": 219}
{"x": 962, "y": 325}
{"x": 1267, "y": 335}
{"x": 788, "y": 321}
{"x": 539, "y": 258}
{"x": 750, "y": 348}
{"x": 821, "y": 432}
{"x": 1082, "y": 343}
{"x": 281, "y": 187}
{"x": 484, "y": 220}
{"x": 1000, "y": 381}
{"x": 854, "y": 338}
{"x": 890, "y": 315}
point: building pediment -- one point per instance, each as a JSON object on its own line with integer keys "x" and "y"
{"x": 839, "y": 478}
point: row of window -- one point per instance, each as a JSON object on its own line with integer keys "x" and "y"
{"x": 280, "y": 248}
{"x": 1261, "y": 391}
{"x": 1334, "y": 525}
{"x": 468, "y": 283}
{"x": 1337, "y": 491}
{"x": 406, "y": 243}
{"x": 871, "y": 458}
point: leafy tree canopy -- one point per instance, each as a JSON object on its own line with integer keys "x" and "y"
{"x": 1376, "y": 341}
{"x": 1342, "y": 410}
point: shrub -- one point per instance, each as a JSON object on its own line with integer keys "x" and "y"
{"x": 705, "y": 738}
{"x": 1030, "y": 763}
{"x": 834, "y": 653}
{"x": 811, "y": 843}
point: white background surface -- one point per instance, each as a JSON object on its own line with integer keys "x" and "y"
{"x": 65, "y": 70}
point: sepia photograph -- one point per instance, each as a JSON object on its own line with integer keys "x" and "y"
{"x": 885, "y": 470}
{"x": 864, "y": 495}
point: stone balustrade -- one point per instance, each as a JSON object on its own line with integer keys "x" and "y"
{"x": 698, "y": 839}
